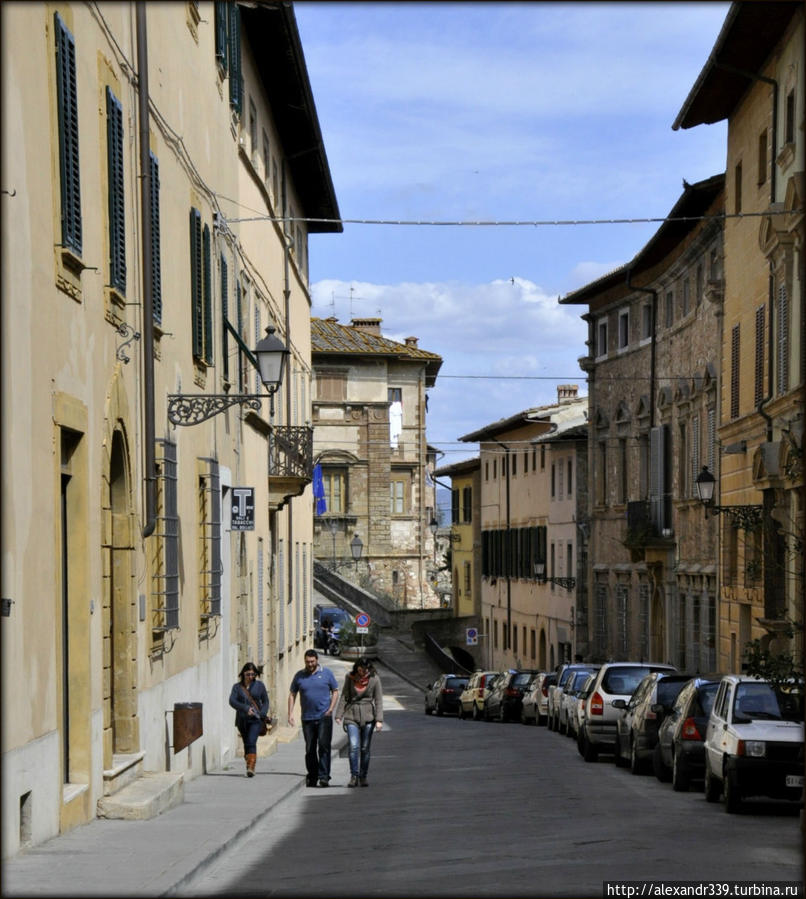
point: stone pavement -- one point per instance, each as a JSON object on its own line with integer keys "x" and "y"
{"x": 156, "y": 857}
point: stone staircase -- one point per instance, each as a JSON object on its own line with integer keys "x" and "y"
{"x": 133, "y": 794}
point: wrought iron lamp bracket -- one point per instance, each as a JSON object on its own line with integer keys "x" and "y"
{"x": 745, "y": 518}
{"x": 125, "y": 330}
{"x": 191, "y": 410}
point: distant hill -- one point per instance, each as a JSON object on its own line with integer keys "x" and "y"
{"x": 443, "y": 506}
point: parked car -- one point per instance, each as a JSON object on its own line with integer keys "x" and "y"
{"x": 754, "y": 742}
{"x": 534, "y": 708}
{"x": 637, "y": 726}
{"x": 324, "y": 616}
{"x": 471, "y": 702}
{"x": 579, "y": 704}
{"x": 563, "y": 673}
{"x": 504, "y": 700}
{"x": 614, "y": 680}
{"x": 443, "y": 695}
{"x": 568, "y": 700}
{"x": 680, "y": 754}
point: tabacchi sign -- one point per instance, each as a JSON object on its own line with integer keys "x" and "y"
{"x": 243, "y": 508}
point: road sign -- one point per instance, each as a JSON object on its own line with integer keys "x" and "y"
{"x": 243, "y": 509}
{"x": 362, "y": 630}
{"x": 362, "y": 621}
{"x": 472, "y": 636}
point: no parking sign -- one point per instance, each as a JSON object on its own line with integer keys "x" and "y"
{"x": 472, "y": 636}
{"x": 362, "y": 623}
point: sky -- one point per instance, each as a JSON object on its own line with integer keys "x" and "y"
{"x": 497, "y": 112}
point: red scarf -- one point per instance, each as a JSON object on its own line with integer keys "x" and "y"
{"x": 360, "y": 683}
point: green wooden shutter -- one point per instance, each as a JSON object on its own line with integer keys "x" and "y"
{"x": 196, "y": 281}
{"x": 208, "y": 297}
{"x": 221, "y": 33}
{"x": 224, "y": 312}
{"x": 117, "y": 218}
{"x": 239, "y": 313}
{"x": 235, "y": 86}
{"x": 67, "y": 99}
{"x": 156, "y": 258}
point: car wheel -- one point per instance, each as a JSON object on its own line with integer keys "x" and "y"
{"x": 589, "y": 752}
{"x": 581, "y": 742}
{"x": 713, "y": 788}
{"x": 680, "y": 775}
{"x": 661, "y": 771}
{"x": 618, "y": 758}
{"x": 476, "y": 715}
{"x": 636, "y": 763}
{"x": 730, "y": 790}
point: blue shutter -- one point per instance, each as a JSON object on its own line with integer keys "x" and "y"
{"x": 156, "y": 259}
{"x": 221, "y": 33}
{"x": 208, "y": 298}
{"x": 67, "y": 97}
{"x": 117, "y": 219}
{"x": 235, "y": 87}
{"x": 196, "y": 281}
{"x": 224, "y": 312}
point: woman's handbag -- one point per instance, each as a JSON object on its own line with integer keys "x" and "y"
{"x": 264, "y": 726}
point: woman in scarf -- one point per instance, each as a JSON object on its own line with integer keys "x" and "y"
{"x": 251, "y": 704}
{"x": 361, "y": 707}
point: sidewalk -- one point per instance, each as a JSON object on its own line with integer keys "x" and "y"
{"x": 155, "y": 857}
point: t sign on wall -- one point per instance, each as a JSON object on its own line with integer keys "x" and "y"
{"x": 243, "y": 508}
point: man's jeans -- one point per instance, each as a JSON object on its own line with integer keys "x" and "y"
{"x": 360, "y": 737}
{"x": 318, "y": 734}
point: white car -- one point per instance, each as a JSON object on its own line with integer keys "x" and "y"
{"x": 568, "y": 701}
{"x": 754, "y": 741}
{"x": 563, "y": 673}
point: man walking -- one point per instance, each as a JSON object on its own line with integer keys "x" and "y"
{"x": 318, "y": 694}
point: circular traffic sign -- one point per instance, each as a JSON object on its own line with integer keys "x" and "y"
{"x": 362, "y": 619}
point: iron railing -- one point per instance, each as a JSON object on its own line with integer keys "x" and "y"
{"x": 291, "y": 452}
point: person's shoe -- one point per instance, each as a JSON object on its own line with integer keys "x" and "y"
{"x": 363, "y": 782}
{"x": 310, "y": 781}
{"x": 250, "y": 764}
{"x": 323, "y": 782}
{"x": 353, "y": 781}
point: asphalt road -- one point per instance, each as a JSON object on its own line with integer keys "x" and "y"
{"x": 463, "y": 808}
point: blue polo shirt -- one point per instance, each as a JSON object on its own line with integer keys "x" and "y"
{"x": 314, "y": 691}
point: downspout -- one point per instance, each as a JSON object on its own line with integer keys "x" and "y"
{"x": 287, "y": 242}
{"x": 147, "y": 274}
{"x": 509, "y": 536}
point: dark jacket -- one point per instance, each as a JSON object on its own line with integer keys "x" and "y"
{"x": 238, "y": 700}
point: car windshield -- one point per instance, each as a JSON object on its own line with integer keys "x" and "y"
{"x": 521, "y": 680}
{"x": 456, "y": 683}
{"x": 668, "y": 690}
{"x": 763, "y": 701}
{"x": 579, "y": 680}
{"x": 623, "y": 679}
{"x": 705, "y": 699}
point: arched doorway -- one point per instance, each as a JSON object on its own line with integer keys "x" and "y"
{"x": 121, "y": 731}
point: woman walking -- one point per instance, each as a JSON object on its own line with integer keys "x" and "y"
{"x": 251, "y": 703}
{"x": 361, "y": 707}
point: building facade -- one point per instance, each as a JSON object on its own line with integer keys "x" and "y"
{"x": 652, "y": 364}
{"x": 754, "y": 79}
{"x": 139, "y": 574}
{"x": 369, "y": 422}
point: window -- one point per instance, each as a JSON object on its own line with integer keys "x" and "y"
{"x": 669, "y": 309}
{"x": 695, "y": 454}
{"x": 224, "y": 313}
{"x": 252, "y": 128}
{"x": 570, "y": 484}
{"x": 789, "y": 118}
{"x": 552, "y": 564}
{"x": 234, "y": 44}
{"x": 762, "y": 157}
{"x": 467, "y": 504}
{"x": 116, "y": 223}
{"x": 397, "y": 494}
{"x": 534, "y": 459}
{"x": 468, "y": 571}
{"x": 331, "y": 386}
{"x": 734, "y": 372}
{"x": 601, "y": 491}
{"x": 758, "y": 393}
{"x": 646, "y": 321}
{"x": 156, "y": 255}
{"x": 266, "y": 158}
{"x": 333, "y": 481}
{"x": 210, "y": 567}
{"x": 165, "y": 545}
{"x": 623, "y": 329}
{"x": 67, "y": 100}
{"x": 623, "y": 613}
{"x": 737, "y": 188}
{"x": 684, "y": 297}
{"x": 782, "y": 369}
{"x": 455, "y": 506}
{"x": 200, "y": 289}
{"x": 553, "y": 480}
{"x": 543, "y": 458}
{"x": 514, "y": 465}
{"x": 569, "y": 560}
{"x": 683, "y": 460}
{"x": 601, "y": 337}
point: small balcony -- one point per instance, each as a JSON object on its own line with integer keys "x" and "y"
{"x": 290, "y": 463}
{"x": 642, "y": 531}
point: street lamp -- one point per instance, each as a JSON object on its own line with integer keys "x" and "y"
{"x": 333, "y": 527}
{"x": 269, "y": 358}
{"x": 433, "y": 526}
{"x": 356, "y": 546}
{"x": 746, "y": 517}
{"x": 540, "y": 576}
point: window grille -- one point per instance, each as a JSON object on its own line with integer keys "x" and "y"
{"x": 210, "y": 526}
{"x": 643, "y": 620}
{"x": 758, "y": 393}
{"x": 783, "y": 340}
{"x": 734, "y": 371}
{"x": 600, "y": 633}
{"x": 623, "y": 613}
{"x": 165, "y": 578}
{"x": 156, "y": 255}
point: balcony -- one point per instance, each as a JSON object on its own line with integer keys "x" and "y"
{"x": 290, "y": 463}
{"x": 642, "y": 533}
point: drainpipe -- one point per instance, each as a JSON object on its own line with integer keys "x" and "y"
{"x": 652, "y": 349}
{"x": 509, "y": 581}
{"x": 147, "y": 274}
{"x": 287, "y": 243}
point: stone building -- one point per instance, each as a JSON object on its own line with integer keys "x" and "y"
{"x": 527, "y": 617}
{"x": 754, "y": 79}
{"x": 369, "y": 423}
{"x": 134, "y": 137}
{"x": 653, "y": 364}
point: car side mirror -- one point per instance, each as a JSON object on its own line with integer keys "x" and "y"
{"x": 658, "y": 708}
{"x": 619, "y": 703}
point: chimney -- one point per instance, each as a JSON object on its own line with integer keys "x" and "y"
{"x": 566, "y": 392}
{"x": 370, "y": 325}
{"x": 412, "y": 342}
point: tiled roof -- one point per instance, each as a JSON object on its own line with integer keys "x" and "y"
{"x": 328, "y": 336}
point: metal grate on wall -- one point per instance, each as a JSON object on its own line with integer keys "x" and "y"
{"x": 166, "y": 574}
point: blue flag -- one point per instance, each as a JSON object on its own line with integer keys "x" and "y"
{"x": 319, "y": 490}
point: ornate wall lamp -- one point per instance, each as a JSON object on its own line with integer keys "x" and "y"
{"x": 747, "y": 518}
{"x": 356, "y": 546}
{"x": 269, "y": 358}
{"x": 540, "y": 576}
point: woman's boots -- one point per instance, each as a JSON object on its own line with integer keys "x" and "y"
{"x": 251, "y": 758}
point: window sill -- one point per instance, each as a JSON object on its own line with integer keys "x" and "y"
{"x": 69, "y": 267}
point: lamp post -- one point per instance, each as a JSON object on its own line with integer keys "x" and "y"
{"x": 333, "y": 526}
{"x": 269, "y": 358}
{"x": 433, "y": 526}
{"x": 746, "y": 517}
{"x": 356, "y": 546}
{"x": 540, "y": 576}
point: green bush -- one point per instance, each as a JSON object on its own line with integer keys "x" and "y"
{"x": 348, "y": 636}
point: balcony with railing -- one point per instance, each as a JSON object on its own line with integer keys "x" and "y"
{"x": 290, "y": 463}
{"x": 642, "y": 531}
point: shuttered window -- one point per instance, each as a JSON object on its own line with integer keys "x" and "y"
{"x": 166, "y": 543}
{"x": 207, "y": 299}
{"x": 235, "y": 85}
{"x": 221, "y": 33}
{"x": 67, "y": 101}
{"x": 224, "y": 313}
{"x": 210, "y": 548}
{"x": 196, "y": 277}
{"x": 695, "y": 453}
{"x": 758, "y": 393}
{"x": 783, "y": 340}
{"x": 156, "y": 256}
{"x": 734, "y": 372}
{"x": 116, "y": 225}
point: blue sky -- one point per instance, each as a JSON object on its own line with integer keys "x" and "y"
{"x": 528, "y": 111}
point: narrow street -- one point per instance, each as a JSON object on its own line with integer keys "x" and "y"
{"x": 462, "y": 808}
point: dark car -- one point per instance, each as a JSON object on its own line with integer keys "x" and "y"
{"x": 505, "y": 699}
{"x": 443, "y": 695}
{"x": 637, "y": 727}
{"x": 680, "y": 753}
{"x": 327, "y": 618}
